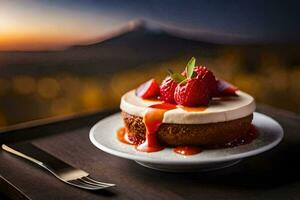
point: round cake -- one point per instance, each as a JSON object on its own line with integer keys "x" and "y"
{"x": 224, "y": 120}
{"x": 189, "y": 110}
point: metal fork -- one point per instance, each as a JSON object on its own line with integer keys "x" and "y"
{"x": 60, "y": 169}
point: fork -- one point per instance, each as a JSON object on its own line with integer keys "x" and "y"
{"x": 61, "y": 170}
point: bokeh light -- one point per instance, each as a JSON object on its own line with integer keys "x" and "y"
{"x": 92, "y": 96}
{"x": 48, "y": 88}
{"x": 61, "y": 106}
{"x": 24, "y": 85}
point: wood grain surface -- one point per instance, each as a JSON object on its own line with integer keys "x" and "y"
{"x": 271, "y": 175}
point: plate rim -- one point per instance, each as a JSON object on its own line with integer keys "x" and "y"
{"x": 145, "y": 159}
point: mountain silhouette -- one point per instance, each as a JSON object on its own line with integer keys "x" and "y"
{"x": 132, "y": 45}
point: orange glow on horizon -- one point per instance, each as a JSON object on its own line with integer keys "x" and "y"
{"x": 22, "y": 41}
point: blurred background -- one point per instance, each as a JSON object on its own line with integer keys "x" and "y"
{"x": 60, "y": 58}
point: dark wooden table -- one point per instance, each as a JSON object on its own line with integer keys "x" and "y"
{"x": 271, "y": 175}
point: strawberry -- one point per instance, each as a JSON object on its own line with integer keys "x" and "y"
{"x": 192, "y": 93}
{"x": 167, "y": 89}
{"x": 209, "y": 78}
{"x": 148, "y": 90}
{"x": 225, "y": 89}
{"x": 197, "y": 88}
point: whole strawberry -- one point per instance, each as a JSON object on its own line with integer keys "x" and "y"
{"x": 195, "y": 87}
{"x": 192, "y": 93}
{"x": 208, "y": 78}
{"x": 167, "y": 89}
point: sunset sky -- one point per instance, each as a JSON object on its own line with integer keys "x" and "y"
{"x": 44, "y": 25}
{"x": 54, "y": 24}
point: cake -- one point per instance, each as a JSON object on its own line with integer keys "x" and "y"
{"x": 188, "y": 109}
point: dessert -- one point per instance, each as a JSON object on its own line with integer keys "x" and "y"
{"x": 189, "y": 111}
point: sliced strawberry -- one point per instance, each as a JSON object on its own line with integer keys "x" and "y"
{"x": 167, "y": 89}
{"x": 225, "y": 89}
{"x": 148, "y": 90}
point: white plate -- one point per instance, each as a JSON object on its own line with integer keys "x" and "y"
{"x": 103, "y": 136}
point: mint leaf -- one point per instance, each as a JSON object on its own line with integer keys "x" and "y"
{"x": 178, "y": 78}
{"x": 190, "y": 67}
{"x": 183, "y": 82}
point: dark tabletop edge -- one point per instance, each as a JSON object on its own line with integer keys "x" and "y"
{"x": 42, "y": 128}
{"x": 48, "y": 120}
{"x": 9, "y": 190}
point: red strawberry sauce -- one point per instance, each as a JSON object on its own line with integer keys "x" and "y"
{"x": 153, "y": 119}
{"x": 193, "y": 109}
{"x": 123, "y": 136}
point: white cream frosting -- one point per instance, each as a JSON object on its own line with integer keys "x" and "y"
{"x": 217, "y": 111}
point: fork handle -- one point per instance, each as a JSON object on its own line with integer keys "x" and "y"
{"x": 20, "y": 154}
{"x": 36, "y": 155}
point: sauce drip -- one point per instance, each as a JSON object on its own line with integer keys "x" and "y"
{"x": 123, "y": 137}
{"x": 152, "y": 119}
{"x": 193, "y": 109}
{"x": 187, "y": 150}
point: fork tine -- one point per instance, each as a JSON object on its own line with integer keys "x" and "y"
{"x": 94, "y": 184}
{"x": 80, "y": 183}
{"x": 98, "y": 182}
{"x": 90, "y": 185}
{"x": 84, "y": 185}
